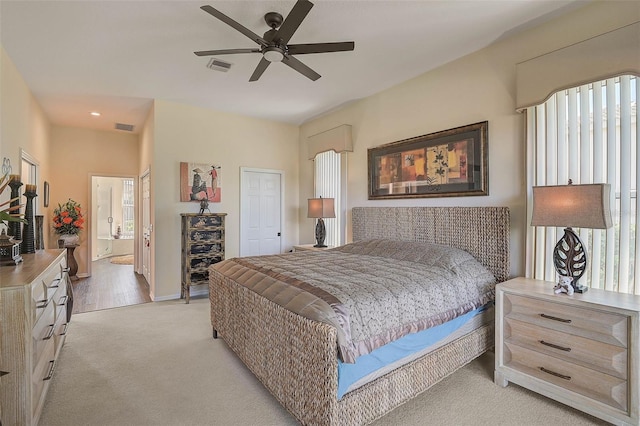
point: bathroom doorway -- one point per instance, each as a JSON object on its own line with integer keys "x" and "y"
{"x": 112, "y": 280}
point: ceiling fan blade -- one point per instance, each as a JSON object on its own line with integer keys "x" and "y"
{"x": 244, "y": 30}
{"x": 262, "y": 66}
{"x": 301, "y": 49}
{"x": 225, "y": 52}
{"x": 300, "y": 67}
{"x": 293, "y": 21}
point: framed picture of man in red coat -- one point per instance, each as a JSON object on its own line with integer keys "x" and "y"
{"x": 200, "y": 181}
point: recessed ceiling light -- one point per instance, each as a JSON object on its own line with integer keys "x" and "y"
{"x": 95, "y": 114}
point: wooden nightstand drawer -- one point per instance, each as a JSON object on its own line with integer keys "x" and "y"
{"x": 592, "y": 324}
{"x": 603, "y": 357}
{"x": 592, "y": 384}
{"x": 582, "y": 350}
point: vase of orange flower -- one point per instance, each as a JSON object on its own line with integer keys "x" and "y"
{"x": 68, "y": 222}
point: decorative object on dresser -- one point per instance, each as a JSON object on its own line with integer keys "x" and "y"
{"x": 34, "y": 315}
{"x": 443, "y": 164}
{"x": 319, "y": 208}
{"x": 14, "y": 227}
{"x": 583, "y": 350}
{"x": 9, "y": 250}
{"x": 582, "y": 206}
{"x": 202, "y": 245}
{"x": 28, "y": 230}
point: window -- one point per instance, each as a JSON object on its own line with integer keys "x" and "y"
{"x": 589, "y": 134}
{"x": 127, "y": 208}
{"x": 330, "y": 180}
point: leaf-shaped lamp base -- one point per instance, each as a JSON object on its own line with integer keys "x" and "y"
{"x": 570, "y": 258}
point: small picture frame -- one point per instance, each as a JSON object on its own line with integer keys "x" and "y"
{"x": 46, "y": 194}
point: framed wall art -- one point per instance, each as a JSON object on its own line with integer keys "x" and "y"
{"x": 449, "y": 163}
{"x": 200, "y": 181}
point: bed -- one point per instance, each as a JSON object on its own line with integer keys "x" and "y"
{"x": 297, "y": 358}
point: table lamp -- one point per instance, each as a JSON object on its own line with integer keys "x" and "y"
{"x": 582, "y": 206}
{"x": 319, "y": 208}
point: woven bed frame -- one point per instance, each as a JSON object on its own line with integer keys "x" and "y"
{"x": 296, "y": 358}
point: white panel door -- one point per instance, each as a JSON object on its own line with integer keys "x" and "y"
{"x": 261, "y": 215}
{"x": 146, "y": 229}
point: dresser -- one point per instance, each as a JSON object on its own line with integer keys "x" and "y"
{"x": 33, "y": 324}
{"x": 202, "y": 246}
{"x": 582, "y": 350}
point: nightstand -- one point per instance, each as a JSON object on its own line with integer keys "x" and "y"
{"x": 582, "y": 350}
{"x": 303, "y": 247}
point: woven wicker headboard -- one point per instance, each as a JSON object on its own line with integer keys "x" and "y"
{"x": 482, "y": 231}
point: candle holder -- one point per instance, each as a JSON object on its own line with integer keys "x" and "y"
{"x": 14, "y": 227}
{"x": 28, "y": 231}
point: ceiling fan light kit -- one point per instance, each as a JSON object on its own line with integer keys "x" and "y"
{"x": 273, "y": 46}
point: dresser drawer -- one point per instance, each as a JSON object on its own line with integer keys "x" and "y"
{"x": 603, "y": 357}
{"x": 44, "y": 288}
{"x": 590, "y": 383}
{"x": 205, "y": 221}
{"x": 42, "y": 334}
{"x": 606, "y": 327}
{"x": 42, "y": 373}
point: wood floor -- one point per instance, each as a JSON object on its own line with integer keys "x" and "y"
{"x": 109, "y": 286}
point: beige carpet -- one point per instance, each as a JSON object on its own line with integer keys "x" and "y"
{"x": 156, "y": 364}
{"x": 126, "y": 259}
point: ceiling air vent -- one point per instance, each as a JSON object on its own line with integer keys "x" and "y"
{"x": 218, "y": 65}
{"x": 125, "y": 127}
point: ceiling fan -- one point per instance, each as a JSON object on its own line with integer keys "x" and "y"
{"x": 273, "y": 45}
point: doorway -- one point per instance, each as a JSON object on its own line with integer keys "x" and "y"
{"x": 261, "y": 220}
{"x": 112, "y": 280}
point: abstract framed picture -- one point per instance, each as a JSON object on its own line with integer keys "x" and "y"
{"x": 449, "y": 163}
{"x": 200, "y": 181}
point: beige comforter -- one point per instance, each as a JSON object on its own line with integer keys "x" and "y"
{"x": 373, "y": 292}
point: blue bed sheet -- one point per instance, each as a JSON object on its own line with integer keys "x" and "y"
{"x": 348, "y": 374}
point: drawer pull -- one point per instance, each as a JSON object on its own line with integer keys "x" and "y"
{"x": 553, "y": 373}
{"x": 52, "y": 283}
{"x": 41, "y": 304}
{"x": 52, "y": 365}
{"x": 66, "y": 325}
{"x": 555, "y": 318}
{"x": 551, "y": 345}
{"x": 49, "y": 335}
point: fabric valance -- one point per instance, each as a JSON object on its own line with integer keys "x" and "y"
{"x": 337, "y": 139}
{"x": 608, "y": 55}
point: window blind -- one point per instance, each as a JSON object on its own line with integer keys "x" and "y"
{"x": 589, "y": 134}
{"x": 330, "y": 168}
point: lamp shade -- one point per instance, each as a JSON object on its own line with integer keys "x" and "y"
{"x": 321, "y": 207}
{"x": 580, "y": 206}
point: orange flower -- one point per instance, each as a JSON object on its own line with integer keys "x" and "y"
{"x": 64, "y": 213}
{"x": 67, "y": 220}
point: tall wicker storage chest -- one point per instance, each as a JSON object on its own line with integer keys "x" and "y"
{"x": 202, "y": 246}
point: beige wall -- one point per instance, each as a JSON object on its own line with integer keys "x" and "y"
{"x": 183, "y": 133}
{"x": 76, "y": 154}
{"x": 23, "y": 126}
{"x": 478, "y": 87}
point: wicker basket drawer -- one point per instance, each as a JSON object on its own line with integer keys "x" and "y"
{"x": 590, "y": 383}
{"x": 606, "y": 327}
{"x": 603, "y": 357}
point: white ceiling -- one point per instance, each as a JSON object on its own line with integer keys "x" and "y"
{"x": 115, "y": 57}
